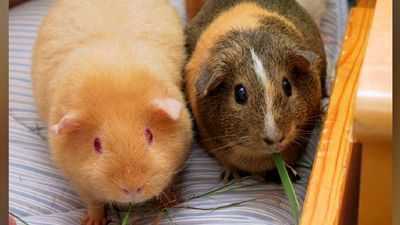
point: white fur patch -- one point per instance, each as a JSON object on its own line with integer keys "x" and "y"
{"x": 259, "y": 68}
{"x": 270, "y": 125}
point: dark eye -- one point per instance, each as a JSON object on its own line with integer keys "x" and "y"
{"x": 240, "y": 94}
{"x": 149, "y": 136}
{"x": 287, "y": 88}
{"x": 97, "y": 145}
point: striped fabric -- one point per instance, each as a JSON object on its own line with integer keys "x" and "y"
{"x": 40, "y": 195}
{"x": 333, "y": 26}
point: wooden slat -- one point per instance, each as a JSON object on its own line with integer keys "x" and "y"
{"x": 324, "y": 199}
{"x": 373, "y": 120}
{"x": 373, "y": 112}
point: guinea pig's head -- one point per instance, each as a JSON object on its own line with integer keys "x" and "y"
{"x": 122, "y": 133}
{"x": 258, "y": 91}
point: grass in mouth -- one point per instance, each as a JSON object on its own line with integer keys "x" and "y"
{"x": 126, "y": 216}
{"x": 288, "y": 186}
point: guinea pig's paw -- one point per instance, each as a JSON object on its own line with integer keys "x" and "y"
{"x": 94, "y": 218}
{"x": 11, "y": 220}
{"x": 229, "y": 174}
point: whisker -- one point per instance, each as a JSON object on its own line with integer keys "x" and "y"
{"x": 239, "y": 141}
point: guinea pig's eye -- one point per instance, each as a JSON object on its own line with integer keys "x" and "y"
{"x": 240, "y": 94}
{"x": 97, "y": 145}
{"x": 149, "y": 136}
{"x": 287, "y": 88}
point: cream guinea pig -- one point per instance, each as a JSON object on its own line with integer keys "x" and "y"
{"x": 107, "y": 82}
{"x": 254, "y": 79}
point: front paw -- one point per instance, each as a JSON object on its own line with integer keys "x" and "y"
{"x": 95, "y": 217}
{"x": 231, "y": 173}
{"x": 227, "y": 176}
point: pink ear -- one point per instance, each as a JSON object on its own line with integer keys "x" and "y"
{"x": 170, "y": 106}
{"x": 67, "y": 124}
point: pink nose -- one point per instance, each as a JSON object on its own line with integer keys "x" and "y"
{"x": 134, "y": 190}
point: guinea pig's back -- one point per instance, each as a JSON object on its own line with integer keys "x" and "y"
{"x": 289, "y": 9}
{"x": 293, "y": 12}
{"x": 73, "y": 24}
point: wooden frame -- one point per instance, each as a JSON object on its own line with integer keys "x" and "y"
{"x": 332, "y": 193}
{"x": 373, "y": 120}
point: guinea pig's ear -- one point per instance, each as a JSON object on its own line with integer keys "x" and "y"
{"x": 303, "y": 60}
{"x": 68, "y": 123}
{"x": 207, "y": 81}
{"x": 168, "y": 106}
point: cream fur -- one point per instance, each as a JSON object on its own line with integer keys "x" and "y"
{"x": 101, "y": 64}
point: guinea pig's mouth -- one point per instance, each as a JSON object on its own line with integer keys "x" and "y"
{"x": 275, "y": 150}
{"x": 132, "y": 199}
{"x": 259, "y": 149}
{"x": 134, "y": 195}
{"x": 271, "y": 149}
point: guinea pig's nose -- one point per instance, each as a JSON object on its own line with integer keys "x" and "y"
{"x": 271, "y": 141}
{"x": 134, "y": 190}
{"x": 268, "y": 140}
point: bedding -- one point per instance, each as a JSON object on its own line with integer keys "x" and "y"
{"x": 39, "y": 194}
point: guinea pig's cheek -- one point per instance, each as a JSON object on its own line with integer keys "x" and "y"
{"x": 291, "y": 134}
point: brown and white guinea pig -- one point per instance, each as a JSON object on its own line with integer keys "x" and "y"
{"x": 254, "y": 79}
{"x": 107, "y": 82}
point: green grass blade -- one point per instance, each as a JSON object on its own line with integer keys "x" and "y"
{"x": 126, "y": 216}
{"x": 287, "y": 185}
{"x": 221, "y": 189}
{"x": 168, "y": 212}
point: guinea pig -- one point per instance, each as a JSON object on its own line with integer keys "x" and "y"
{"x": 107, "y": 80}
{"x": 255, "y": 78}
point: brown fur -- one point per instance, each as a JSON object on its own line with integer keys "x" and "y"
{"x": 103, "y": 63}
{"x": 219, "y": 40}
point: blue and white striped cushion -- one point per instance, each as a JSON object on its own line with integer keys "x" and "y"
{"x": 39, "y": 194}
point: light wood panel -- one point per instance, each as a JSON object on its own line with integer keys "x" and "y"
{"x": 325, "y": 192}
{"x": 373, "y": 121}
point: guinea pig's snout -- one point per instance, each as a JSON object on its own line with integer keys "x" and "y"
{"x": 278, "y": 139}
{"x": 132, "y": 191}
